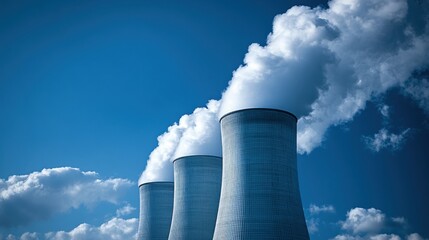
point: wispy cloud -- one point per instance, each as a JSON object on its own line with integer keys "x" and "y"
{"x": 312, "y": 225}
{"x": 314, "y": 209}
{"x": 313, "y": 222}
{"x": 384, "y": 139}
{"x": 125, "y": 210}
{"x": 37, "y": 196}
{"x": 418, "y": 89}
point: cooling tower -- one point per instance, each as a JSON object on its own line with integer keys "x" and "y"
{"x": 197, "y": 182}
{"x": 156, "y": 208}
{"x": 260, "y": 196}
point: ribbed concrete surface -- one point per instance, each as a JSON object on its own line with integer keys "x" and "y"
{"x": 197, "y": 182}
{"x": 156, "y": 209}
{"x": 260, "y": 196}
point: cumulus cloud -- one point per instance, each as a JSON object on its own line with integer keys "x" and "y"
{"x": 360, "y": 220}
{"x": 323, "y": 65}
{"x": 37, "y": 196}
{"x": 24, "y": 236}
{"x": 114, "y": 229}
{"x": 384, "y": 139}
{"x": 195, "y": 134}
{"x": 314, "y": 209}
{"x": 373, "y": 224}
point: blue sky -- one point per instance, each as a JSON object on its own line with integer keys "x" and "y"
{"x": 91, "y": 85}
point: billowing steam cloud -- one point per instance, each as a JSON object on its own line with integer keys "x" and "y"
{"x": 196, "y": 134}
{"x": 323, "y": 65}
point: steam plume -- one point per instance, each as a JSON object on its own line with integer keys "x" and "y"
{"x": 195, "y": 134}
{"x": 323, "y": 65}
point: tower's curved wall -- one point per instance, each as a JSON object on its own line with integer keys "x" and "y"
{"x": 260, "y": 196}
{"x": 197, "y": 182}
{"x": 156, "y": 208}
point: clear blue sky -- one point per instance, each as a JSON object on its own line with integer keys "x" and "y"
{"x": 91, "y": 85}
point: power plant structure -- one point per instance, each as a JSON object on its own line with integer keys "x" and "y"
{"x": 156, "y": 207}
{"x": 197, "y": 182}
{"x": 258, "y": 185}
{"x": 260, "y": 196}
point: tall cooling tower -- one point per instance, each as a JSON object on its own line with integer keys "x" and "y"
{"x": 260, "y": 196}
{"x": 156, "y": 208}
{"x": 197, "y": 182}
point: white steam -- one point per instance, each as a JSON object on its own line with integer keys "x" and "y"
{"x": 196, "y": 134}
{"x": 202, "y": 134}
{"x": 323, "y": 65}
{"x": 287, "y": 72}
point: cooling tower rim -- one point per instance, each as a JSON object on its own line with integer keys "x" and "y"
{"x": 156, "y": 182}
{"x": 196, "y": 155}
{"x": 265, "y": 109}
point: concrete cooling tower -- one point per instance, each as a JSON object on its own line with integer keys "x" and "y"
{"x": 260, "y": 196}
{"x": 197, "y": 182}
{"x": 156, "y": 208}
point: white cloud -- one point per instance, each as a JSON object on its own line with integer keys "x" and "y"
{"x": 399, "y": 220}
{"x": 360, "y": 220}
{"x": 114, "y": 229}
{"x": 385, "y": 237}
{"x": 373, "y": 237}
{"x": 418, "y": 89}
{"x": 372, "y": 224}
{"x": 36, "y": 196}
{"x": 314, "y": 209}
{"x": 312, "y": 225}
{"x": 29, "y": 236}
{"x": 125, "y": 210}
{"x": 24, "y": 236}
{"x": 346, "y": 237}
{"x": 312, "y": 222}
{"x": 415, "y": 236}
{"x": 386, "y": 140}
